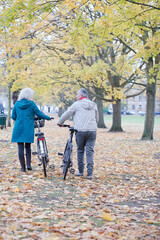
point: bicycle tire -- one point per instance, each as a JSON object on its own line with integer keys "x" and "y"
{"x": 44, "y": 166}
{"x": 65, "y": 168}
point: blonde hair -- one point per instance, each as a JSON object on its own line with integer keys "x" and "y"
{"x": 26, "y": 93}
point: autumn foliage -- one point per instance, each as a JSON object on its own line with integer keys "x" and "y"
{"x": 121, "y": 202}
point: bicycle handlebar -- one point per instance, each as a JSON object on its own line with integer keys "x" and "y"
{"x": 36, "y": 118}
{"x": 63, "y": 125}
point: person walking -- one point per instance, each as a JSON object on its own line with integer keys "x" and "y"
{"x": 23, "y": 132}
{"x": 85, "y": 119}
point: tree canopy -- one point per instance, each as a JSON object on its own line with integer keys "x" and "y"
{"x": 104, "y": 46}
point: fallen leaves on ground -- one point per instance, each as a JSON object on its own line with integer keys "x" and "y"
{"x": 121, "y": 202}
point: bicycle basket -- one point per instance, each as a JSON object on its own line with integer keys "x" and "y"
{"x": 42, "y": 122}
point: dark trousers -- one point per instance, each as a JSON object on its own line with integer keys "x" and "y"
{"x": 85, "y": 142}
{"x": 27, "y": 147}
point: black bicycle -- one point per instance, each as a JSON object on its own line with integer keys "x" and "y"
{"x": 42, "y": 150}
{"x": 67, "y": 155}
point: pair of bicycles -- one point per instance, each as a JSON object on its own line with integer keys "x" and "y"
{"x": 42, "y": 150}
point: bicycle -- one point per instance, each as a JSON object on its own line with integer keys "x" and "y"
{"x": 67, "y": 155}
{"x": 42, "y": 150}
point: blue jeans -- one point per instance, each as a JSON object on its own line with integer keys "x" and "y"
{"x": 85, "y": 141}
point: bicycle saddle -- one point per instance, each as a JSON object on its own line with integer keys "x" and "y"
{"x": 39, "y": 134}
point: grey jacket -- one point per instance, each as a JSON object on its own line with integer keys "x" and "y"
{"x": 85, "y": 115}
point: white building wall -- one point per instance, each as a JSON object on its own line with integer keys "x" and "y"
{"x": 48, "y": 108}
{"x": 136, "y": 104}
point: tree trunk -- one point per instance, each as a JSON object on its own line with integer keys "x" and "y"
{"x": 9, "y": 104}
{"x": 101, "y": 123}
{"x": 15, "y": 96}
{"x": 115, "y": 83}
{"x": 116, "y": 120}
{"x": 61, "y": 111}
{"x": 150, "y": 106}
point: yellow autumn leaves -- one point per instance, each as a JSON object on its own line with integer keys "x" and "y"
{"x": 107, "y": 216}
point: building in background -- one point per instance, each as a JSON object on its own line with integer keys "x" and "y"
{"x": 136, "y": 105}
{"x": 48, "y": 109}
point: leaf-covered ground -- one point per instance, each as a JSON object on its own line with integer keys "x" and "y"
{"x": 121, "y": 202}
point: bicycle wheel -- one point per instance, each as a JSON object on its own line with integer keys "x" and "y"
{"x": 65, "y": 168}
{"x": 67, "y": 158}
{"x": 44, "y": 166}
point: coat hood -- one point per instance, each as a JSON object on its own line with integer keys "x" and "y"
{"x": 87, "y": 104}
{"x": 24, "y": 103}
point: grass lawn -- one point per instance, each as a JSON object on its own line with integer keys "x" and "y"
{"x": 132, "y": 121}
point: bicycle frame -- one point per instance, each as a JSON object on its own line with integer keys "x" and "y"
{"x": 67, "y": 156}
{"x": 42, "y": 147}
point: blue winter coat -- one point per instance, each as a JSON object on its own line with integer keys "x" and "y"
{"x": 23, "y": 113}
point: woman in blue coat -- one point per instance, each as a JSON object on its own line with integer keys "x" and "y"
{"x": 23, "y": 132}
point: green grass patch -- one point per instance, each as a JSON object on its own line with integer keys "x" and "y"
{"x": 131, "y": 120}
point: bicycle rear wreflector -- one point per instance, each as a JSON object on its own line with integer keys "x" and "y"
{"x": 67, "y": 156}
{"x": 42, "y": 150}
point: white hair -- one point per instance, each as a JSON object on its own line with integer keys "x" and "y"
{"x": 26, "y": 93}
{"x": 84, "y": 92}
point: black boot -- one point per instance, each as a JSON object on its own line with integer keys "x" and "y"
{"x": 23, "y": 166}
{"x": 28, "y": 158}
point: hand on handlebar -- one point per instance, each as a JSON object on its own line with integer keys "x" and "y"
{"x": 51, "y": 118}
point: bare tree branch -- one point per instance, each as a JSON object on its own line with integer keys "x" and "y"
{"x": 143, "y": 4}
{"x": 125, "y": 44}
{"x": 136, "y": 94}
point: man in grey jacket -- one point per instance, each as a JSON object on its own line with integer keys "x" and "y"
{"x": 85, "y": 119}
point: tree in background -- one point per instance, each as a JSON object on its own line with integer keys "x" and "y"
{"x": 128, "y": 21}
{"x": 80, "y": 30}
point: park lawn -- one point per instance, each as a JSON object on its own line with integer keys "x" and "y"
{"x": 132, "y": 121}
{"x": 121, "y": 202}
